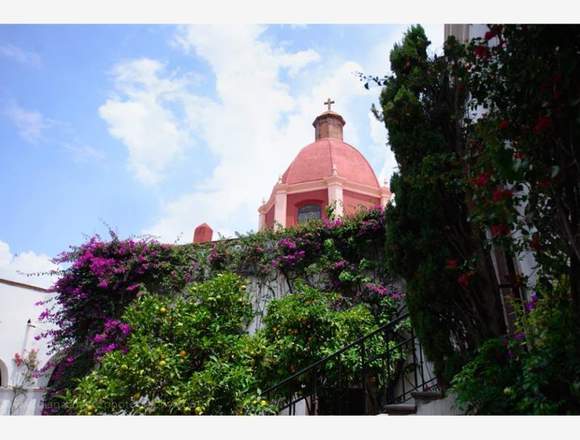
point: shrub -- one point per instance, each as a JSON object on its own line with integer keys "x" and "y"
{"x": 535, "y": 371}
{"x": 185, "y": 355}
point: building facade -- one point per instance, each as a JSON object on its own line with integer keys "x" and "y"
{"x": 22, "y": 351}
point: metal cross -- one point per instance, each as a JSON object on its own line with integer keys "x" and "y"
{"x": 329, "y": 103}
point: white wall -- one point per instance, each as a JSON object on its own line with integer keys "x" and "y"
{"x": 16, "y": 336}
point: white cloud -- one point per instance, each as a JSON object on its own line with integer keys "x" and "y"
{"x": 379, "y": 136}
{"x": 30, "y": 124}
{"x": 297, "y": 61}
{"x": 378, "y": 64}
{"x": 15, "y": 267}
{"x": 435, "y": 34}
{"x": 20, "y": 55}
{"x": 141, "y": 116}
{"x": 254, "y": 127}
{"x": 82, "y": 153}
{"x": 34, "y": 127}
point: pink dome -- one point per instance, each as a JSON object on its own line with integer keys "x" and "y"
{"x": 317, "y": 161}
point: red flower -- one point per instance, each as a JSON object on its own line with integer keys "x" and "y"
{"x": 481, "y": 180}
{"x": 499, "y": 230}
{"x": 503, "y": 124}
{"x": 535, "y": 242}
{"x": 542, "y": 124}
{"x": 519, "y": 155}
{"x": 452, "y": 264}
{"x": 490, "y": 34}
{"x": 481, "y": 51}
{"x": 500, "y": 194}
{"x": 464, "y": 279}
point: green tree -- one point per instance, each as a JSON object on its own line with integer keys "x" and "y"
{"x": 185, "y": 354}
{"x": 191, "y": 354}
{"x": 452, "y": 292}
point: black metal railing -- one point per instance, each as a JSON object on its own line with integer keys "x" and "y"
{"x": 380, "y": 368}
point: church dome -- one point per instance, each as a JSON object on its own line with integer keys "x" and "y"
{"x": 327, "y": 157}
{"x": 326, "y": 173}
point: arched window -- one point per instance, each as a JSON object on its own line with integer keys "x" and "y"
{"x": 309, "y": 212}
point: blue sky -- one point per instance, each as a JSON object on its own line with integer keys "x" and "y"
{"x": 156, "y": 129}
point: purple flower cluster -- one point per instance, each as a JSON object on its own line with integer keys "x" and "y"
{"x": 102, "y": 266}
{"x": 332, "y": 224}
{"x": 289, "y": 260}
{"x": 370, "y": 227}
{"x": 44, "y": 315}
{"x": 112, "y": 338}
{"x": 380, "y": 291}
{"x": 99, "y": 275}
{"x": 532, "y": 303}
{"x": 291, "y": 253}
{"x": 215, "y": 258}
{"x": 376, "y": 289}
{"x": 133, "y": 287}
{"x": 45, "y": 334}
{"x": 100, "y": 279}
{"x": 340, "y": 265}
{"x": 287, "y": 244}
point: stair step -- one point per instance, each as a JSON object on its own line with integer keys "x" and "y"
{"x": 400, "y": 409}
{"x": 427, "y": 396}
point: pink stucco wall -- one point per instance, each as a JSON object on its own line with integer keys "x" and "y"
{"x": 270, "y": 218}
{"x": 353, "y": 201}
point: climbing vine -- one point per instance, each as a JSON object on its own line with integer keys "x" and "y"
{"x": 105, "y": 278}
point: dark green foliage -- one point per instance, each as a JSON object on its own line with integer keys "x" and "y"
{"x": 536, "y": 371}
{"x": 453, "y": 309}
{"x": 306, "y": 327}
{"x": 523, "y": 164}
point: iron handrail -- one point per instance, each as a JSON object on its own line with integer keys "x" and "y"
{"x": 358, "y": 341}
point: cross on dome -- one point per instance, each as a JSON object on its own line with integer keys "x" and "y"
{"x": 329, "y": 102}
